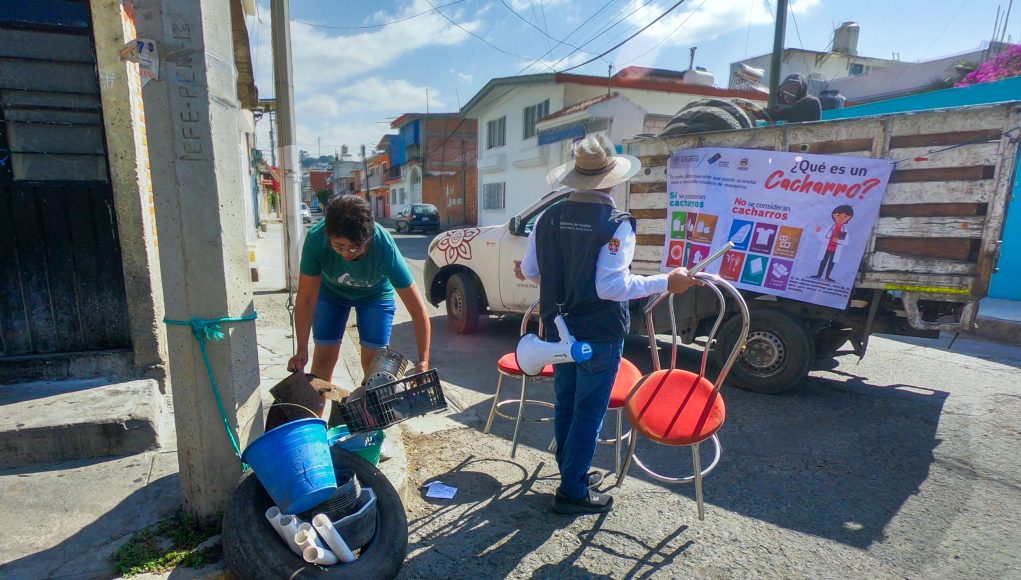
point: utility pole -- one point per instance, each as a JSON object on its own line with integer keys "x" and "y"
{"x": 290, "y": 172}
{"x": 365, "y": 169}
{"x": 194, "y": 152}
{"x": 464, "y": 185}
{"x": 777, "y": 58}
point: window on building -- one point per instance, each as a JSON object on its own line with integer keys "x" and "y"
{"x": 496, "y": 133}
{"x": 494, "y": 196}
{"x": 532, "y": 116}
{"x": 856, "y": 69}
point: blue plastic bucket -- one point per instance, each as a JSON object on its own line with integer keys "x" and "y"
{"x": 293, "y": 463}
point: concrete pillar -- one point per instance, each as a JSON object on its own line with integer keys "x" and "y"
{"x": 193, "y": 115}
{"x": 124, "y": 120}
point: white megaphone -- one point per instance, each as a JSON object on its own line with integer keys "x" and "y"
{"x": 533, "y": 353}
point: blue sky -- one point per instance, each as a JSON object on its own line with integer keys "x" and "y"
{"x": 352, "y": 79}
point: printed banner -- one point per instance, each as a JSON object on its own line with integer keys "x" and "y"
{"x": 800, "y": 222}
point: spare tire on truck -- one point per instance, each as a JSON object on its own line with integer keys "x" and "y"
{"x": 254, "y": 550}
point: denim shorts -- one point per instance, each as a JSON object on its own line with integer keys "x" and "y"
{"x": 375, "y": 321}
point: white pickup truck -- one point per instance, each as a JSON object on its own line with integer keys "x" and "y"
{"x": 929, "y": 259}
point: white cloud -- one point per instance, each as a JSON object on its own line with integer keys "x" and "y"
{"x": 698, "y": 23}
{"x": 323, "y": 57}
{"x": 527, "y": 4}
{"x": 378, "y": 94}
{"x": 463, "y": 76}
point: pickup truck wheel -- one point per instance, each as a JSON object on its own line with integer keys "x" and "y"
{"x": 776, "y": 356}
{"x": 462, "y": 304}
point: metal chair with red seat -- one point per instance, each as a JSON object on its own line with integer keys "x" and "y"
{"x": 678, "y": 407}
{"x": 628, "y": 376}
{"x": 507, "y": 366}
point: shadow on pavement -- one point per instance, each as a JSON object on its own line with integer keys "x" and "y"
{"x": 486, "y": 519}
{"x": 86, "y": 554}
{"x": 831, "y": 458}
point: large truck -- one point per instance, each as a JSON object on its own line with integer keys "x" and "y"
{"x": 929, "y": 259}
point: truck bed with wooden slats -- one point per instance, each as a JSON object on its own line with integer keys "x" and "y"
{"x": 941, "y": 219}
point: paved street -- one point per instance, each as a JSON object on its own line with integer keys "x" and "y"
{"x": 902, "y": 465}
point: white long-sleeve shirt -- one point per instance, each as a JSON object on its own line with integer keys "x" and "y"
{"x": 614, "y": 280}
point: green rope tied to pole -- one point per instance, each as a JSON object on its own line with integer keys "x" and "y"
{"x": 210, "y": 329}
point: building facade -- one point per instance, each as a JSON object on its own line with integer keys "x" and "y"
{"x": 526, "y": 125}
{"x": 436, "y": 154}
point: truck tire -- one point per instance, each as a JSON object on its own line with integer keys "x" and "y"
{"x": 777, "y": 354}
{"x": 253, "y": 550}
{"x": 462, "y": 304}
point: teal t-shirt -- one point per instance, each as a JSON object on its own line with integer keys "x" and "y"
{"x": 371, "y": 278}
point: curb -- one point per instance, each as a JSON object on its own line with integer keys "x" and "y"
{"x": 1008, "y": 331}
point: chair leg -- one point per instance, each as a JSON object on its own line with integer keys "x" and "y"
{"x": 696, "y": 461}
{"x": 620, "y": 431}
{"x": 496, "y": 400}
{"x": 521, "y": 415}
{"x": 630, "y": 456}
{"x": 553, "y": 445}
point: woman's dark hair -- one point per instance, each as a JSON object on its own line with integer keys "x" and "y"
{"x": 843, "y": 209}
{"x": 349, "y": 216}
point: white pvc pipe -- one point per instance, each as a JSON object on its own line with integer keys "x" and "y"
{"x": 287, "y": 535}
{"x": 314, "y": 555}
{"x": 289, "y": 525}
{"x": 323, "y": 525}
{"x": 307, "y": 536}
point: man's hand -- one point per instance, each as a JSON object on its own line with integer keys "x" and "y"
{"x": 421, "y": 367}
{"x": 297, "y": 362}
{"x": 679, "y": 281}
{"x": 517, "y": 271}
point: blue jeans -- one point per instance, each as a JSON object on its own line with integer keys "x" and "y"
{"x": 582, "y": 393}
{"x": 375, "y": 321}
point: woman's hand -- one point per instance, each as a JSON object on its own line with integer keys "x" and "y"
{"x": 297, "y": 362}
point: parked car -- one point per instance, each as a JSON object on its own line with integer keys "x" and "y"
{"x": 306, "y": 214}
{"x": 423, "y": 217}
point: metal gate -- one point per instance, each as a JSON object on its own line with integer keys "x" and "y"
{"x": 61, "y": 279}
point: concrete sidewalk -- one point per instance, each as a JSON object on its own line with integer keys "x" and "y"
{"x": 1000, "y": 320}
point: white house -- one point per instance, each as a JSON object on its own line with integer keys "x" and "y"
{"x": 818, "y": 67}
{"x": 527, "y": 123}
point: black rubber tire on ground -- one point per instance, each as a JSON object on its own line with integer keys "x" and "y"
{"x": 462, "y": 303}
{"x": 778, "y": 354}
{"x": 254, "y": 551}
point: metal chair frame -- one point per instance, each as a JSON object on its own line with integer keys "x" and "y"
{"x": 523, "y": 401}
{"x": 713, "y": 282}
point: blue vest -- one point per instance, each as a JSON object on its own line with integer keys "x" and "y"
{"x": 568, "y": 238}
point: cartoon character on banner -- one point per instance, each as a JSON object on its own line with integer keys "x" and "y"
{"x": 833, "y": 240}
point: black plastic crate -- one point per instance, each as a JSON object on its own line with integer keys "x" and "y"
{"x": 388, "y": 404}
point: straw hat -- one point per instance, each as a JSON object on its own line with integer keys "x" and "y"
{"x": 595, "y": 166}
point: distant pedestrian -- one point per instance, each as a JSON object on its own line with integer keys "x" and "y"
{"x": 580, "y": 254}
{"x": 349, "y": 261}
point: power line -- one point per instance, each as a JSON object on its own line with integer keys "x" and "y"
{"x": 541, "y": 31}
{"x": 603, "y": 31}
{"x": 579, "y": 27}
{"x": 626, "y": 40}
{"x": 944, "y": 29}
{"x": 371, "y": 26}
{"x": 489, "y": 44}
{"x": 683, "y": 22}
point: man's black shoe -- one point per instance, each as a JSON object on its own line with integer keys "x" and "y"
{"x": 593, "y": 503}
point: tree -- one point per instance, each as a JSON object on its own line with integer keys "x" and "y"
{"x": 324, "y": 195}
{"x": 1004, "y": 65}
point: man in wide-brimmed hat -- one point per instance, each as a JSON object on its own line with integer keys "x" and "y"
{"x": 580, "y": 253}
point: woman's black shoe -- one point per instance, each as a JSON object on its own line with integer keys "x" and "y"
{"x": 593, "y": 503}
